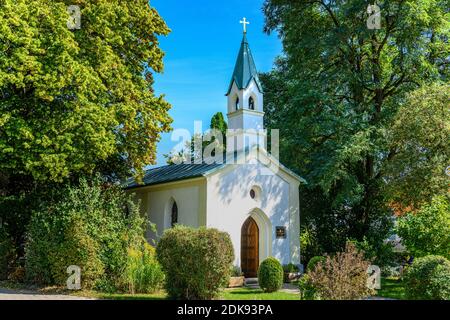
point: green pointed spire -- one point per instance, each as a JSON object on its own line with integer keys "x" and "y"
{"x": 245, "y": 69}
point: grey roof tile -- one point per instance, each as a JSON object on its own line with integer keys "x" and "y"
{"x": 171, "y": 173}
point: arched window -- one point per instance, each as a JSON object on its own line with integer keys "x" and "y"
{"x": 237, "y": 103}
{"x": 251, "y": 103}
{"x": 174, "y": 216}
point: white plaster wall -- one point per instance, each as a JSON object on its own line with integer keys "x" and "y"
{"x": 229, "y": 204}
{"x": 253, "y": 91}
{"x": 246, "y": 119}
{"x": 159, "y": 208}
{"x": 235, "y": 121}
{"x": 244, "y": 95}
{"x": 234, "y": 92}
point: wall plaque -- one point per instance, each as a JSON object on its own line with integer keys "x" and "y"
{"x": 280, "y": 232}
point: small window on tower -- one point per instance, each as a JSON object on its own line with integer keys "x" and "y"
{"x": 251, "y": 103}
{"x": 237, "y": 103}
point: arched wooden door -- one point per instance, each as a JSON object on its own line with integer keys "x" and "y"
{"x": 250, "y": 248}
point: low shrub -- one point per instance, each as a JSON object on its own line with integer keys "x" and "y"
{"x": 196, "y": 262}
{"x": 89, "y": 225}
{"x": 341, "y": 277}
{"x": 76, "y": 248}
{"x": 314, "y": 261}
{"x": 380, "y": 253}
{"x": 143, "y": 273}
{"x": 290, "y": 268}
{"x": 236, "y": 271}
{"x": 270, "y": 275}
{"x": 428, "y": 278}
{"x": 17, "y": 275}
{"x": 307, "y": 290}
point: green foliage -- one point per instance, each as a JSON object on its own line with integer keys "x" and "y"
{"x": 428, "y": 230}
{"x": 392, "y": 288}
{"x": 74, "y": 102}
{"x": 236, "y": 272}
{"x": 89, "y": 225}
{"x": 380, "y": 254}
{"x": 420, "y": 135}
{"x": 290, "y": 268}
{"x": 314, "y": 261}
{"x": 307, "y": 289}
{"x": 270, "y": 275}
{"x": 212, "y": 143}
{"x": 143, "y": 273}
{"x": 336, "y": 95}
{"x": 196, "y": 262}
{"x": 218, "y": 122}
{"x": 7, "y": 253}
{"x": 428, "y": 278}
{"x": 18, "y": 198}
{"x": 76, "y": 248}
{"x": 309, "y": 245}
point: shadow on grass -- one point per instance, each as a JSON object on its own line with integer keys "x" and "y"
{"x": 392, "y": 288}
{"x": 153, "y": 296}
{"x": 256, "y": 294}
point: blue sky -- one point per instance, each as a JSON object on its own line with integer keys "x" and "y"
{"x": 201, "y": 52}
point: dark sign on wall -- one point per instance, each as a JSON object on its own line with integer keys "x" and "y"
{"x": 280, "y": 232}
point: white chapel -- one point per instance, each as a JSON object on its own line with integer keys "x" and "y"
{"x": 256, "y": 201}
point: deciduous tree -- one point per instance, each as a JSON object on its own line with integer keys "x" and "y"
{"x": 335, "y": 94}
{"x": 78, "y": 101}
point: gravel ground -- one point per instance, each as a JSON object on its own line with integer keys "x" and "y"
{"x": 10, "y": 294}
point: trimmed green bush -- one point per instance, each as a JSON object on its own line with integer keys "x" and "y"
{"x": 89, "y": 225}
{"x": 314, "y": 261}
{"x": 196, "y": 262}
{"x": 428, "y": 278}
{"x": 143, "y": 273}
{"x": 270, "y": 275}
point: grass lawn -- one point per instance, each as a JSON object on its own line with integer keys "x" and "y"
{"x": 392, "y": 288}
{"x": 227, "y": 294}
{"x": 257, "y": 294}
{"x": 118, "y": 296}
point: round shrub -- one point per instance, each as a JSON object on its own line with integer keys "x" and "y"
{"x": 428, "y": 278}
{"x": 314, "y": 261}
{"x": 196, "y": 262}
{"x": 270, "y": 275}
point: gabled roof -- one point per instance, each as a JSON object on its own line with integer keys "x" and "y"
{"x": 171, "y": 173}
{"x": 245, "y": 69}
{"x": 179, "y": 172}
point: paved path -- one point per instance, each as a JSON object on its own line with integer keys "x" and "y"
{"x": 287, "y": 287}
{"x": 10, "y": 294}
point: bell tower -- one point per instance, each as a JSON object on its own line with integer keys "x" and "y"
{"x": 245, "y": 101}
